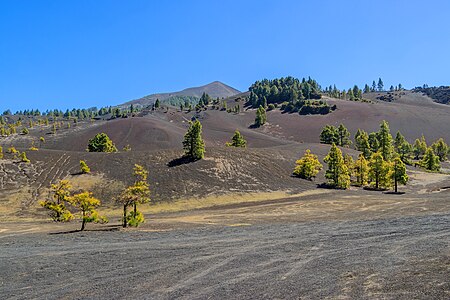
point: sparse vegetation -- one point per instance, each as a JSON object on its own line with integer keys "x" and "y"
{"x": 23, "y": 157}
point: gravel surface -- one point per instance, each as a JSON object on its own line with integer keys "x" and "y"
{"x": 394, "y": 258}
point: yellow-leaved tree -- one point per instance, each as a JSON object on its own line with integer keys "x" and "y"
{"x": 60, "y": 194}
{"x": 307, "y": 166}
{"x": 87, "y": 204}
{"x": 137, "y": 193}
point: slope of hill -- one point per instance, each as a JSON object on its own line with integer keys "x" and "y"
{"x": 438, "y": 94}
{"x": 214, "y": 89}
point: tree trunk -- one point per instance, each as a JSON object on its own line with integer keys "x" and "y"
{"x": 395, "y": 178}
{"x": 135, "y": 209}
{"x": 83, "y": 222}
{"x": 124, "y": 216}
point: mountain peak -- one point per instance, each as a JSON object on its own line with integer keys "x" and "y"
{"x": 215, "y": 89}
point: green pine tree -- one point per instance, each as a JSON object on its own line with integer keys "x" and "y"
{"x": 362, "y": 143}
{"x": 420, "y": 147}
{"x": 430, "y": 161}
{"x": 379, "y": 171}
{"x": 402, "y": 147}
{"x": 261, "y": 117}
{"x": 329, "y": 135}
{"x": 385, "y": 140}
{"x": 337, "y": 173}
{"x": 361, "y": 170}
{"x": 193, "y": 144}
{"x": 237, "y": 140}
{"x": 398, "y": 173}
{"x": 343, "y": 136}
{"x": 373, "y": 142}
{"x": 441, "y": 149}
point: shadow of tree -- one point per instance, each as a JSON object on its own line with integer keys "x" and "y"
{"x": 180, "y": 161}
{"x": 104, "y": 229}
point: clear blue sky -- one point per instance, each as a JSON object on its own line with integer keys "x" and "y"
{"x": 83, "y": 53}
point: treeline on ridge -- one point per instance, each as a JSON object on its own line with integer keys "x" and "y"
{"x": 290, "y": 94}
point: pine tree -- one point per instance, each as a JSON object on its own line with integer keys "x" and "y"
{"x": 441, "y": 149}
{"x": 420, "y": 147}
{"x": 205, "y": 99}
{"x": 84, "y": 167}
{"x": 385, "y": 140}
{"x": 373, "y": 142}
{"x": 329, "y": 135}
{"x": 374, "y": 86}
{"x": 157, "y": 104}
{"x": 101, "y": 143}
{"x": 379, "y": 171}
{"x": 430, "y": 161}
{"x": 193, "y": 144}
{"x": 361, "y": 170}
{"x": 87, "y": 205}
{"x": 337, "y": 173}
{"x": 380, "y": 85}
{"x": 261, "y": 117}
{"x": 362, "y": 143}
{"x": 137, "y": 193}
{"x": 57, "y": 205}
{"x": 343, "y": 136}
{"x": 308, "y": 166}
{"x": 402, "y": 147}
{"x": 349, "y": 162}
{"x": 237, "y": 140}
{"x": 398, "y": 173}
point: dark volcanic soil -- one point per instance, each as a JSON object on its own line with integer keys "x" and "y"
{"x": 401, "y": 258}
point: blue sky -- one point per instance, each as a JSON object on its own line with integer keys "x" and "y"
{"x": 65, "y": 54}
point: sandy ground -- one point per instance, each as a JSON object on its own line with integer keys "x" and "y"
{"x": 336, "y": 244}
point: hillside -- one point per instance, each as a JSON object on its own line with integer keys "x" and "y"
{"x": 214, "y": 89}
{"x": 438, "y": 94}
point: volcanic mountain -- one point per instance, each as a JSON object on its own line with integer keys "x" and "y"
{"x": 214, "y": 89}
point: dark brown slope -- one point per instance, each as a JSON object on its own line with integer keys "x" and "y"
{"x": 160, "y": 130}
{"x": 408, "y": 115}
{"x": 413, "y": 115}
{"x": 214, "y": 89}
{"x": 140, "y": 133}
